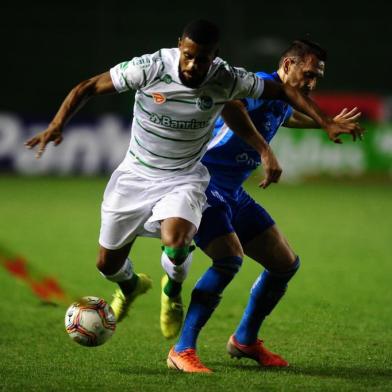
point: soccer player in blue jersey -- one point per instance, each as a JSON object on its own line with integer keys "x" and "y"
{"x": 234, "y": 224}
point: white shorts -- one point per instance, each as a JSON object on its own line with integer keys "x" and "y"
{"x": 134, "y": 206}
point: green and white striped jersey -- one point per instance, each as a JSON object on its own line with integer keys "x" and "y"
{"x": 173, "y": 123}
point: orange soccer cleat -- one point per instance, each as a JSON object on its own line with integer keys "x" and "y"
{"x": 186, "y": 361}
{"x": 255, "y": 351}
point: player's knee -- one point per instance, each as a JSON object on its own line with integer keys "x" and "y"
{"x": 228, "y": 265}
{"x": 291, "y": 267}
{"x": 292, "y": 263}
{"x": 284, "y": 259}
{"x": 294, "y": 266}
{"x": 236, "y": 250}
{"x": 285, "y": 264}
{"x": 176, "y": 239}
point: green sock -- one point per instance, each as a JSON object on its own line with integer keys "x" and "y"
{"x": 127, "y": 286}
{"x": 172, "y": 288}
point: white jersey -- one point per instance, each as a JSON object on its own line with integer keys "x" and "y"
{"x": 173, "y": 123}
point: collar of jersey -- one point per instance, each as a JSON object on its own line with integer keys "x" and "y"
{"x": 276, "y": 76}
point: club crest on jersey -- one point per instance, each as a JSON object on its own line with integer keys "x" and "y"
{"x": 158, "y": 98}
{"x": 167, "y": 79}
{"x": 204, "y": 102}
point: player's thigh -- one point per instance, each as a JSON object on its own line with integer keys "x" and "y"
{"x": 181, "y": 202}
{"x": 271, "y": 249}
{"x": 249, "y": 218}
{"x": 216, "y": 236}
{"x": 127, "y": 204}
{"x": 227, "y": 245}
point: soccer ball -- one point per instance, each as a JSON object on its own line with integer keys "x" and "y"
{"x": 90, "y": 321}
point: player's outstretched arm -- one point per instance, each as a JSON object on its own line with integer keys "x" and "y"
{"x": 302, "y": 121}
{"x": 236, "y": 118}
{"x": 304, "y": 104}
{"x": 76, "y": 98}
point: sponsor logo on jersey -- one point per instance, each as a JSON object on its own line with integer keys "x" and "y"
{"x": 142, "y": 62}
{"x": 245, "y": 159}
{"x": 178, "y": 124}
{"x": 204, "y": 102}
{"x": 158, "y": 98}
{"x": 217, "y": 195}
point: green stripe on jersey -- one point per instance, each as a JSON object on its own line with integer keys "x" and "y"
{"x": 158, "y": 168}
{"x": 172, "y": 158}
{"x": 234, "y": 84}
{"x": 181, "y": 100}
{"x": 125, "y": 81}
{"x": 162, "y": 63}
{"x": 253, "y": 85}
{"x": 142, "y": 108}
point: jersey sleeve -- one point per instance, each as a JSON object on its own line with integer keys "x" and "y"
{"x": 246, "y": 84}
{"x": 134, "y": 74}
{"x": 289, "y": 113}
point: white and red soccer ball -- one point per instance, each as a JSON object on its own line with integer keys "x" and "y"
{"x": 90, "y": 321}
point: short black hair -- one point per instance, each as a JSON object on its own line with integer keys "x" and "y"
{"x": 303, "y": 47}
{"x": 202, "y": 32}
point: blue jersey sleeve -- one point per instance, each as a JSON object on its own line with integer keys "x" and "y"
{"x": 289, "y": 113}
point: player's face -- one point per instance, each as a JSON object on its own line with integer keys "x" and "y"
{"x": 195, "y": 61}
{"x": 305, "y": 73}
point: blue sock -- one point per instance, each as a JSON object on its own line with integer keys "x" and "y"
{"x": 205, "y": 298}
{"x": 266, "y": 292}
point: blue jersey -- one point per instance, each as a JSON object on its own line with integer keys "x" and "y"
{"x": 229, "y": 159}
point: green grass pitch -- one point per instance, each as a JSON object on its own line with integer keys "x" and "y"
{"x": 333, "y": 326}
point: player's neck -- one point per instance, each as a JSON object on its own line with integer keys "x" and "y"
{"x": 281, "y": 74}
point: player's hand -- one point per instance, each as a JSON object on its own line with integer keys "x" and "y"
{"x": 345, "y": 123}
{"x": 51, "y": 134}
{"x": 272, "y": 169}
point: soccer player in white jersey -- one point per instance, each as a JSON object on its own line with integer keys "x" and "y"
{"x": 158, "y": 189}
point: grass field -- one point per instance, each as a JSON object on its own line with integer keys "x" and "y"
{"x": 334, "y": 326}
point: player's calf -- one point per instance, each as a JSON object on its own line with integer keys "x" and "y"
{"x": 266, "y": 293}
{"x": 131, "y": 286}
{"x": 176, "y": 262}
{"x": 205, "y": 298}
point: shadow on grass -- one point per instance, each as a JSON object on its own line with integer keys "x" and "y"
{"x": 147, "y": 371}
{"x": 346, "y": 372}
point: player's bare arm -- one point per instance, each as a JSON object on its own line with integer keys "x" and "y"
{"x": 76, "y": 98}
{"x": 302, "y": 121}
{"x": 236, "y": 117}
{"x": 304, "y": 104}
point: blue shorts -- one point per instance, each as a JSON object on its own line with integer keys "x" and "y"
{"x": 227, "y": 213}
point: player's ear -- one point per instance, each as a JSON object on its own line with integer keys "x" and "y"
{"x": 179, "y": 42}
{"x": 286, "y": 65}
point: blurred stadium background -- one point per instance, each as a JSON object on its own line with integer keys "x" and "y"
{"x": 334, "y": 203}
{"x": 51, "y": 46}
